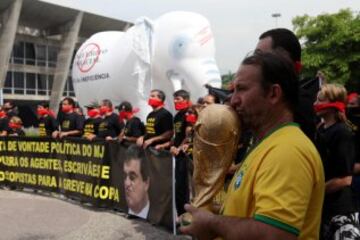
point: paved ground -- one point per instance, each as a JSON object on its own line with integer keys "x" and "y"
{"x": 29, "y": 216}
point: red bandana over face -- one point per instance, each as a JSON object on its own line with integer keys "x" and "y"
{"x": 182, "y": 105}
{"x": 104, "y": 110}
{"x": 66, "y": 108}
{"x": 155, "y": 103}
{"x": 93, "y": 113}
{"x": 42, "y": 111}
{"x": 340, "y": 106}
{"x": 14, "y": 125}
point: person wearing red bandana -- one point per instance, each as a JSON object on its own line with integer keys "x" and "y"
{"x": 16, "y": 127}
{"x": 71, "y": 124}
{"x": 110, "y": 127}
{"x": 47, "y": 122}
{"x": 182, "y": 104}
{"x": 284, "y": 40}
{"x": 335, "y": 139}
{"x": 134, "y": 127}
{"x": 159, "y": 123}
{"x": 4, "y": 122}
{"x": 91, "y": 125}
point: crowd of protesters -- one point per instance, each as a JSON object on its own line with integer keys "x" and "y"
{"x": 329, "y": 118}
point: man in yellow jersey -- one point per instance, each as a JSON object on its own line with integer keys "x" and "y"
{"x": 278, "y": 191}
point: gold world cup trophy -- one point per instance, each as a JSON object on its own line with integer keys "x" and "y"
{"x": 216, "y": 136}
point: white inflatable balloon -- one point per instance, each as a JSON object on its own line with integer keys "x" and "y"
{"x": 176, "y": 51}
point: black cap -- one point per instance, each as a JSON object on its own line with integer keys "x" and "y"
{"x": 125, "y": 106}
{"x": 93, "y": 105}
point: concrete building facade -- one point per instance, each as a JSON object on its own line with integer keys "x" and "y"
{"x": 38, "y": 41}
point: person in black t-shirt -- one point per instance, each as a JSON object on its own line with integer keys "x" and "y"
{"x": 159, "y": 123}
{"x": 182, "y": 104}
{"x": 91, "y": 126}
{"x": 10, "y": 109}
{"x": 4, "y": 123}
{"x": 134, "y": 128}
{"x": 16, "y": 127}
{"x": 110, "y": 127}
{"x": 335, "y": 140}
{"x": 71, "y": 124}
{"x": 47, "y": 121}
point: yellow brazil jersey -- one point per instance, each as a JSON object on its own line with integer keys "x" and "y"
{"x": 280, "y": 183}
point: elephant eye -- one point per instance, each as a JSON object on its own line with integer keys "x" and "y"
{"x": 178, "y": 47}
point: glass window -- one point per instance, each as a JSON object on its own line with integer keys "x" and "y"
{"x": 30, "y": 83}
{"x": 50, "y": 83}
{"x": 30, "y": 53}
{"x": 40, "y": 53}
{"x": 41, "y": 83}
{"x": 8, "y": 83}
{"x": 19, "y": 82}
{"x": 65, "y": 92}
{"x": 52, "y": 55}
{"x": 18, "y": 52}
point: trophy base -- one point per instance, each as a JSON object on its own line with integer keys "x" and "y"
{"x": 186, "y": 219}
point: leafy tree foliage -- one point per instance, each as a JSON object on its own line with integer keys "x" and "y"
{"x": 226, "y": 79}
{"x": 331, "y": 44}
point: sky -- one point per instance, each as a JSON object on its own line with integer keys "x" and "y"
{"x": 236, "y": 24}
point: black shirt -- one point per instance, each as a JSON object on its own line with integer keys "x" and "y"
{"x": 180, "y": 127}
{"x": 72, "y": 121}
{"x": 338, "y": 156}
{"x": 110, "y": 126}
{"x": 92, "y": 126}
{"x": 4, "y": 124}
{"x": 134, "y": 128}
{"x": 47, "y": 125}
{"x": 16, "y": 132}
{"x": 157, "y": 123}
{"x": 353, "y": 115}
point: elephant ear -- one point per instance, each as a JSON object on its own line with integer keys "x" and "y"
{"x": 142, "y": 45}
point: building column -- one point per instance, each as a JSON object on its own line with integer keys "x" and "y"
{"x": 64, "y": 58}
{"x": 10, "y": 19}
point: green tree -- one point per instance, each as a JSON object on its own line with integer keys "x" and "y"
{"x": 331, "y": 44}
{"x": 226, "y": 79}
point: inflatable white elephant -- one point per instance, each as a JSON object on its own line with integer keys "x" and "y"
{"x": 176, "y": 51}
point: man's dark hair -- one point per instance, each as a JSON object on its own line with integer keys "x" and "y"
{"x": 285, "y": 39}
{"x": 136, "y": 153}
{"x": 70, "y": 101}
{"x": 277, "y": 69}
{"x": 160, "y": 94}
{"x": 44, "y": 104}
{"x": 182, "y": 93}
{"x": 107, "y": 102}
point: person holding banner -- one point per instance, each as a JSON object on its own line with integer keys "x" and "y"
{"x": 159, "y": 123}
{"x": 182, "y": 104}
{"x": 71, "y": 124}
{"x": 47, "y": 121}
{"x": 134, "y": 127}
{"x": 4, "y": 122}
{"x": 16, "y": 127}
{"x": 278, "y": 191}
{"x": 110, "y": 127}
{"x": 136, "y": 182}
{"x": 91, "y": 127}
